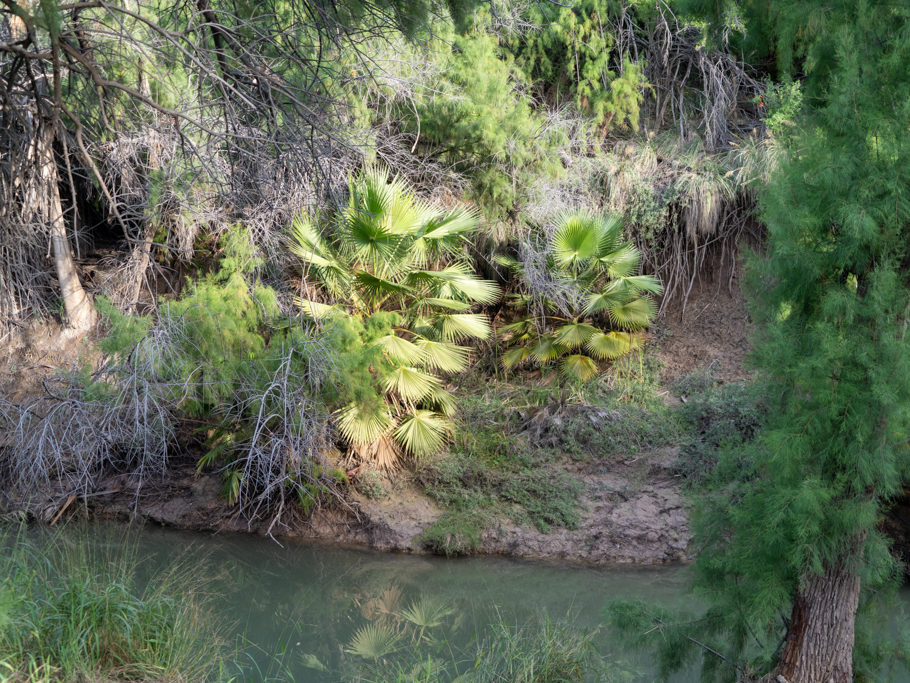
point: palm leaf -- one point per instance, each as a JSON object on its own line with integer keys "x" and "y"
{"x": 456, "y": 326}
{"x": 611, "y": 226}
{"x": 578, "y": 366}
{"x": 456, "y": 280}
{"x": 314, "y": 309}
{"x": 410, "y": 383}
{"x": 608, "y": 345}
{"x": 423, "y": 432}
{"x": 509, "y": 262}
{"x": 515, "y": 356}
{"x": 575, "y": 240}
{"x": 574, "y": 334}
{"x": 400, "y": 349}
{"x": 442, "y": 401}
{"x": 643, "y": 283}
{"x": 443, "y": 356}
{"x": 436, "y": 302}
{"x": 621, "y": 263}
{"x": 521, "y": 328}
{"x": 377, "y": 287}
{"x": 546, "y": 349}
{"x": 373, "y": 641}
{"x": 364, "y": 423}
{"x": 614, "y": 294}
{"x": 634, "y": 315}
{"x": 427, "y": 612}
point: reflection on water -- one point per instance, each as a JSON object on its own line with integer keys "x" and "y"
{"x": 314, "y": 613}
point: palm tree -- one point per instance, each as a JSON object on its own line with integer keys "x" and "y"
{"x": 390, "y": 252}
{"x": 605, "y": 302}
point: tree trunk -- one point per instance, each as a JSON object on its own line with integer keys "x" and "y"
{"x": 819, "y": 646}
{"x": 78, "y": 307}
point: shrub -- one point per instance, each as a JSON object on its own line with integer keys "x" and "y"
{"x": 593, "y": 303}
{"x": 391, "y": 268}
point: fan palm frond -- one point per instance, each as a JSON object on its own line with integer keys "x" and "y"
{"x": 515, "y": 356}
{"x": 575, "y": 240}
{"x": 546, "y": 349}
{"x": 579, "y": 367}
{"x": 440, "y": 355}
{"x": 364, "y": 422}
{"x": 400, "y": 349}
{"x": 457, "y": 326}
{"x": 314, "y": 309}
{"x": 574, "y": 334}
{"x": 422, "y": 432}
{"x": 410, "y": 383}
{"x": 609, "y": 345}
{"x": 635, "y": 314}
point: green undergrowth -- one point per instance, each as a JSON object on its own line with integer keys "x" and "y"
{"x": 519, "y": 449}
{"x": 716, "y": 418}
{"x": 75, "y": 611}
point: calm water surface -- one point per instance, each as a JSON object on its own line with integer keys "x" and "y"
{"x": 296, "y": 608}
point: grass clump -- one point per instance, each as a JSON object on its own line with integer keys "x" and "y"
{"x": 74, "y": 612}
{"x": 456, "y": 532}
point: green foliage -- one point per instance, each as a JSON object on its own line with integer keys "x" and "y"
{"x": 574, "y": 51}
{"x": 478, "y": 118}
{"x": 781, "y": 104}
{"x": 72, "y": 612}
{"x": 456, "y": 532}
{"x": 392, "y": 275}
{"x": 604, "y": 305}
{"x": 830, "y": 299}
{"x": 717, "y": 419}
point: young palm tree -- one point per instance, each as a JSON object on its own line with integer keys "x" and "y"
{"x": 606, "y": 303}
{"x": 389, "y": 251}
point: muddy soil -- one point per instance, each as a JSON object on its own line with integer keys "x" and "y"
{"x": 633, "y": 514}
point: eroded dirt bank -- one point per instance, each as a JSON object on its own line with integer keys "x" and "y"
{"x": 633, "y": 514}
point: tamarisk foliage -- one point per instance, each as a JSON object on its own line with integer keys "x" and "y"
{"x": 791, "y": 549}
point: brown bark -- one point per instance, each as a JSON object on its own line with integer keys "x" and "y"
{"x": 78, "y": 307}
{"x": 819, "y": 645}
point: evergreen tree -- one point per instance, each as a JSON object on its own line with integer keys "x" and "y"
{"x": 792, "y": 527}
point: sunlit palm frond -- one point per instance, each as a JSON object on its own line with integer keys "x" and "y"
{"x": 457, "y": 326}
{"x": 643, "y": 283}
{"x": 410, "y": 383}
{"x": 575, "y": 240}
{"x": 364, "y": 422}
{"x": 400, "y": 349}
{"x": 634, "y": 315}
{"x": 456, "y": 280}
{"x": 574, "y": 334}
{"x": 579, "y": 367}
{"x": 442, "y": 401}
{"x": 422, "y": 432}
{"x": 314, "y": 309}
{"x": 609, "y": 345}
{"x": 623, "y": 262}
{"x": 615, "y": 293}
{"x": 445, "y": 356}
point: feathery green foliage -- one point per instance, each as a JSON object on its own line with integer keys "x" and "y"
{"x": 391, "y": 261}
{"x": 831, "y": 299}
{"x": 574, "y": 51}
{"x": 604, "y": 306}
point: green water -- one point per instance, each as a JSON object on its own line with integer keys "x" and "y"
{"x": 295, "y": 608}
